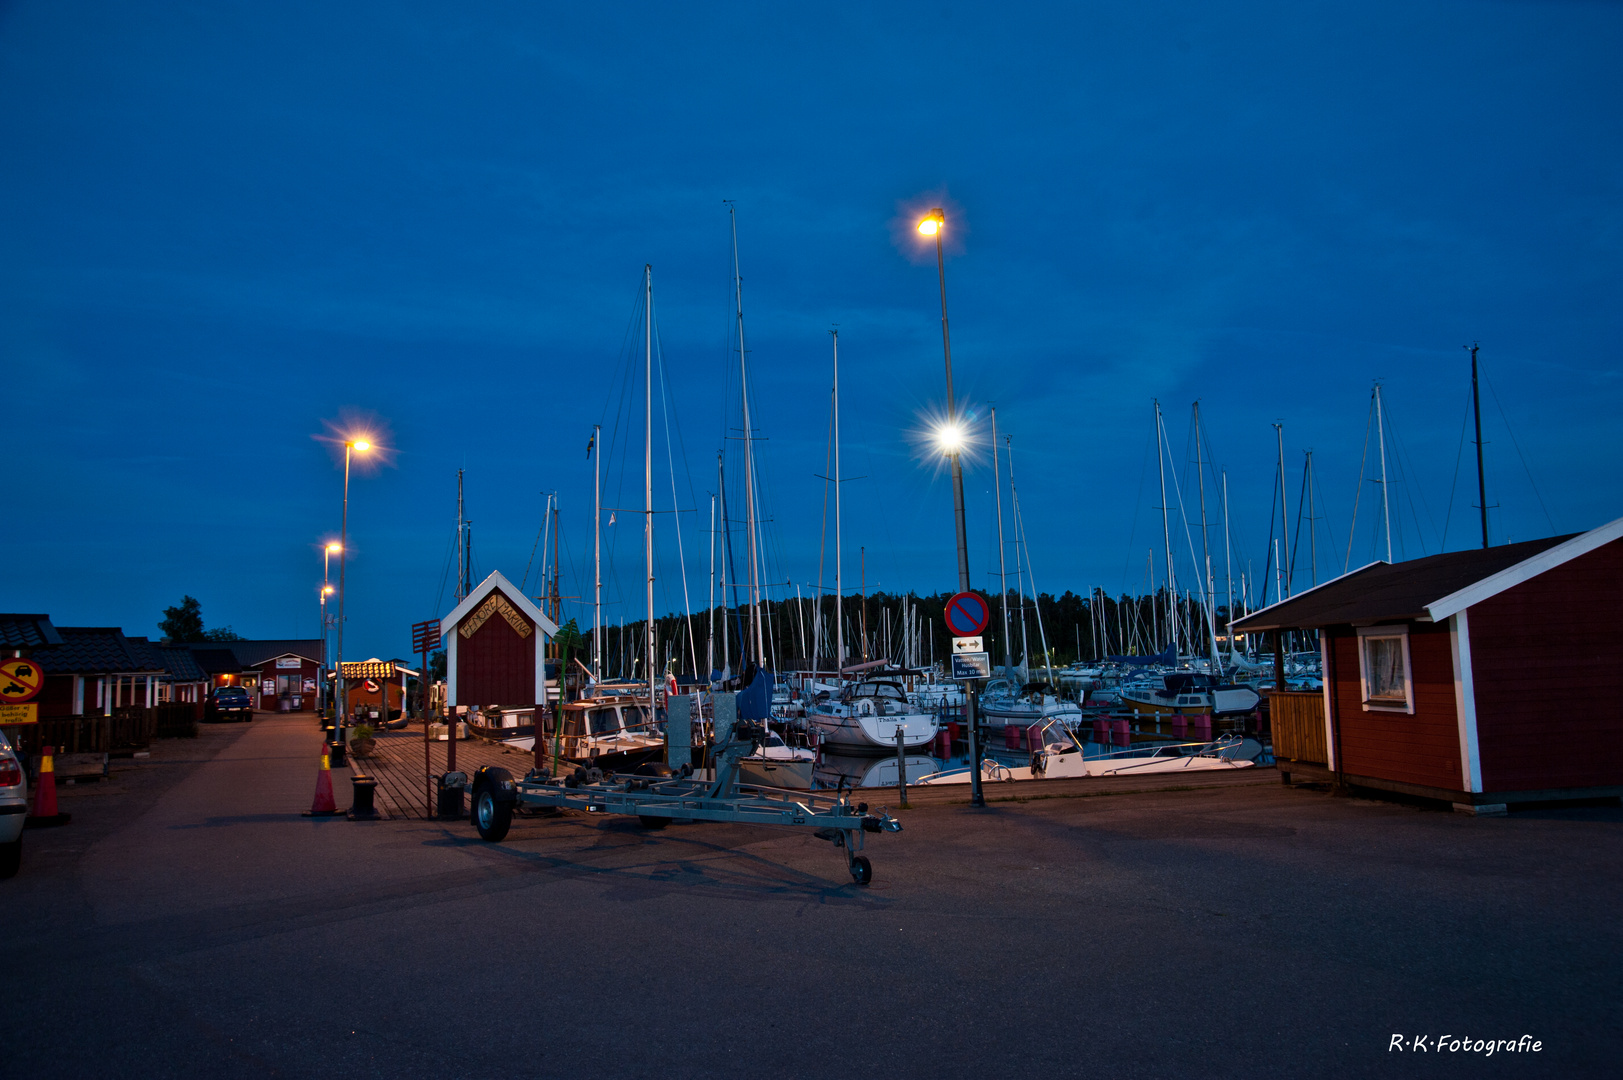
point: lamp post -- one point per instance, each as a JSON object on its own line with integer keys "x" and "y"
{"x": 951, "y": 438}
{"x": 326, "y": 626}
{"x": 343, "y": 558}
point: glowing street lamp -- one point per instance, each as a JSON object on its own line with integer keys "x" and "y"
{"x": 950, "y": 437}
{"x": 350, "y": 445}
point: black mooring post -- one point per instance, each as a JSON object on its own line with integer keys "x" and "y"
{"x": 901, "y": 763}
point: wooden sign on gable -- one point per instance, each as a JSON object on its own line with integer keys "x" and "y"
{"x": 495, "y": 604}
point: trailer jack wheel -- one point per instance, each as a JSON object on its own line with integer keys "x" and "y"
{"x": 861, "y": 870}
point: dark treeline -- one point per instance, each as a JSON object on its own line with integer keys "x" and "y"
{"x": 799, "y": 634}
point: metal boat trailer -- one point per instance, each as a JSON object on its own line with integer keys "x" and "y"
{"x": 657, "y": 796}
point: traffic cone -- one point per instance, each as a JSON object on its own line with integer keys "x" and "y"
{"x": 45, "y": 811}
{"x": 323, "y": 806}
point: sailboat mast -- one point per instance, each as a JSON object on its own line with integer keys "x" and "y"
{"x": 461, "y": 544}
{"x": 710, "y": 607}
{"x": 749, "y": 448}
{"x": 1166, "y": 536}
{"x": 839, "y": 581}
{"x": 1284, "y": 514}
{"x": 597, "y": 554}
{"x": 1481, "y": 478}
{"x": 1380, "y": 437}
{"x": 726, "y": 561}
{"x": 1210, "y": 590}
{"x": 1312, "y": 524}
{"x": 1228, "y": 564}
{"x": 648, "y": 477}
{"x": 1002, "y": 572}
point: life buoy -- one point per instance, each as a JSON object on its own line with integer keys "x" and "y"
{"x": 371, "y": 686}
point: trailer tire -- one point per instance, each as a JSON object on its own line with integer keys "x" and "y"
{"x": 651, "y": 823}
{"x": 491, "y": 816}
{"x": 861, "y": 870}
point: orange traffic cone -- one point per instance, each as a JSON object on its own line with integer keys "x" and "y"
{"x": 45, "y": 811}
{"x": 323, "y": 806}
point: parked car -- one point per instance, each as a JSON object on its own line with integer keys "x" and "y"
{"x": 13, "y": 809}
{"x": 230, "y": 703}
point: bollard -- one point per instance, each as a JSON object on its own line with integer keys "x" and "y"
{"x": 365, "y": 790}
{"x": 901, "y": 764}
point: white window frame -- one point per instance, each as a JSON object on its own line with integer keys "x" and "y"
{"x": 1401, "y": 633}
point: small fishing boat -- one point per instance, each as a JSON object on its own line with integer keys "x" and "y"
{"x": 867, "y": 716}
{"x": 1191, "y": 693}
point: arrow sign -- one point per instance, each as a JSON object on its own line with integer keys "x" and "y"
{"x": 966, "y": 614}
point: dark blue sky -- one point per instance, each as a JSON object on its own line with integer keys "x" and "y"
{"x": 224, "y": 225}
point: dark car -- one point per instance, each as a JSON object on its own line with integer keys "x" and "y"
{"x": 230, "y": 703}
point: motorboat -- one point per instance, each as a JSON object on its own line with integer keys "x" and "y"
{"x": 610, "y": 732}
{"x": 1191, "y": 693}
{"x": 867, "y": 716}
{"x": 777, "y": 764}
{"x": 1062, "y": 757}
{"x": 932, "y": 696}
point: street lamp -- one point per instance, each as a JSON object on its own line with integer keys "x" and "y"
{"x": 343, "y": 557}
{"x": 950, "y": 436}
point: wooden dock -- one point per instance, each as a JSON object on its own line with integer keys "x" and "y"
{"x": 406, "y": 787}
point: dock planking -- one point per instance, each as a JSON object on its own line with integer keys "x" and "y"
{"x": 405, "y": 786}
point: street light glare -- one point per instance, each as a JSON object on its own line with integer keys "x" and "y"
{"x": 362, "y": 445}
{"x": 929, "y": 226}
{"x": 950, "y": 437}
{"x": 334, "y": 548}
{"x": 328, "y": 590}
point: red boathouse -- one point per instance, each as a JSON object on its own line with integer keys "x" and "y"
{"x": 495, "y": 648}
{"x": 1482, "y": 677}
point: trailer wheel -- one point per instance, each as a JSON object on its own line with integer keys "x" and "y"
{"x": 491, "y": 817}
{"x": 649, "y": 822}
{"x": 861, "y": 870}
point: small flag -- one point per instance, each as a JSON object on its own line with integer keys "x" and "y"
{"x": 589, "y": 443}
{"x": 611, "y": 517}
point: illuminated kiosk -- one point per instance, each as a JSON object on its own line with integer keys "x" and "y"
{"x": 495, "y": 648}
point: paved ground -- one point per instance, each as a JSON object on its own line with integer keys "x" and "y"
{"x": 190, "y": 923}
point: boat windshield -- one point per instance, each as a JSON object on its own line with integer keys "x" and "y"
{"x": 604, "y": 722}
{"x": 883, "y": 691}
{"x": 636, "y": 719}
{"x": 1057, "y": 739}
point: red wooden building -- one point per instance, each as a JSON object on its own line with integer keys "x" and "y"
{"x": 1482, "y": 677}
{"x": 495, "y": 648}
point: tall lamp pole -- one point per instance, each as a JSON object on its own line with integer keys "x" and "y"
{"x": 326, "y": 624}
{"x": 951, "y": 438}
{"x": 343, "y": 558}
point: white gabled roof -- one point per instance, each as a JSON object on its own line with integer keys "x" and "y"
{"x": 1529, "y": 568}
{"x": 485, "y": 588}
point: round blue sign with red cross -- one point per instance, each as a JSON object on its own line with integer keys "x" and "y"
{"x": 967, "y": 614}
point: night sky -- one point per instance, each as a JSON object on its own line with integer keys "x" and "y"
{"x": 228, "y": 229}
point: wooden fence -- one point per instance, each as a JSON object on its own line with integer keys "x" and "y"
{"x": 127, "y": 729}
{"x": 1297, "y": 718}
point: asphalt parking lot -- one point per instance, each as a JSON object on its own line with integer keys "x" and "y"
{"x": 190, "y": 920}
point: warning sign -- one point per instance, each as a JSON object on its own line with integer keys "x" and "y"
{"x": 19, "y": 714}
{"x": 20, "y": 680}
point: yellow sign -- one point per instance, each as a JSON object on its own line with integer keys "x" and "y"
{"x": 19, "y": 714}
{"x": 496, "y": 604}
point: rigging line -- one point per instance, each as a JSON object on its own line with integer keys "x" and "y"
{"x": 1514, "y": 442}
{"x": 1143, "y": 471}
{"x": 1465, "y": 426}
{"x": 1406, "y": 468}
{"x": 1190, "y": 540}
{"x": 1329, "y": 529}
{"x": 1363, "y": 463}
{"x": 526, "y": 579}
{"x": 445, "y": 575}
{"x": 1296, "y": 533}
{"x": 670, "y": 464}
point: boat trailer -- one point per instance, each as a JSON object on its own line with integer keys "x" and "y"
{"x": 656, "y": 795}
